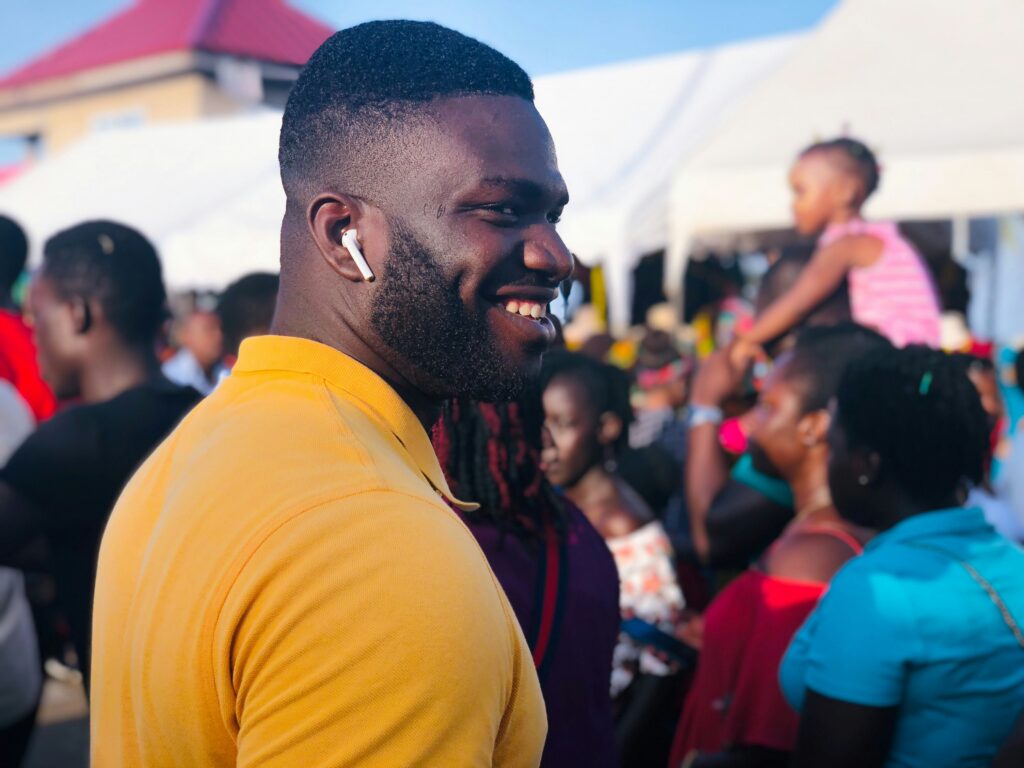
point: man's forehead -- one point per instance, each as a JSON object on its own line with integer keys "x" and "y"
{"x": 496, "y": 141}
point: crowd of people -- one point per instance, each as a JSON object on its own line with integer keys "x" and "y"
{"x": 378, "y": 510}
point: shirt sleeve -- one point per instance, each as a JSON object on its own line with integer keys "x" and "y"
{"x": 56, "y": 467}
{"x": 857, "y": 644}
{"x": 370, "y": 632}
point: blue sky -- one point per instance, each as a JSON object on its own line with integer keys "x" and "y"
{"x": 543, "y": 37}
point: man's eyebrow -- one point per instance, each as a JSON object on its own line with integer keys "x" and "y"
{"x": 529, "y": 189}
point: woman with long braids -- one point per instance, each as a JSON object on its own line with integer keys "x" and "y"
{"x": 556, "y": 571}
{"x": 915, "y": 655}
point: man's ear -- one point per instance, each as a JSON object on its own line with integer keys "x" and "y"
{"x": 84, "y": 313}
{"x": 329, "y": 217}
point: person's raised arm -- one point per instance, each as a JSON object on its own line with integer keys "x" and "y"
{"x": 706, "y": 471}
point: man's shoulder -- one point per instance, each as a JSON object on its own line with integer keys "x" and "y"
{"x": 414, "y": 553}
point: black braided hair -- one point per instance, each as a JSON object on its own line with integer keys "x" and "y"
{"x": 856, "y": 157}
{"x": 917, "y": 409}
{"x": 490, "y": 454}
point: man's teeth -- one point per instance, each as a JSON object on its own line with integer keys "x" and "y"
{"x": 526, "y": 309}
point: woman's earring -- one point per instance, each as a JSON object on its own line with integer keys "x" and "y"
{"x": 611, "y": 465}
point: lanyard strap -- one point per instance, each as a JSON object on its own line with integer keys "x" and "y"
{"x": 989, "y": 590}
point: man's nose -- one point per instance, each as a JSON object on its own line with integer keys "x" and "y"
{"x": 545, "y": 252}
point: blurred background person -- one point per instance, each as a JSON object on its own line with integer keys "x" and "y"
{"x": 735, "y": 714}
{"x": 554, "y": 567}
{"x": 246, "y": 308}
{"x": 586, "y": 418}
{"x": 662, "y": 377}
{"x": 913, "y": 656}
{"x": 890, "y": 287}
{"x": 197, "y": 363}
{"x": 1011, "y": 483}
{"x": 736, "y": 509}
{"x": 990, "y": 495}
{"x": 96, "y": 306}
{"x": 18, "y": 364}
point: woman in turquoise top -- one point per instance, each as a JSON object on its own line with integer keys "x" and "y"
{"x": 915, "y": 655}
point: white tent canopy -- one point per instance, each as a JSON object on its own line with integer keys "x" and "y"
{"x": 620, "y": 130}
{"x": 933, "y": 86}
{"x": 208, "y": 193}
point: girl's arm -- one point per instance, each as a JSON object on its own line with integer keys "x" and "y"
{"x": 822, "y": 277}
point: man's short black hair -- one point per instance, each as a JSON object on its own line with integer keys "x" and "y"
{"x": 116, "y": 266}
{"x": 364, "y": 81}
{"x": 13, "y": 252}
{"x": 246, "y": 308}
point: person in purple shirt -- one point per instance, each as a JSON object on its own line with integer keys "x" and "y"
{"x": 555, "y": 569}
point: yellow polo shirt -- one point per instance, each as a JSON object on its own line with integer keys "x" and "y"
{"x": 282, "y": 584}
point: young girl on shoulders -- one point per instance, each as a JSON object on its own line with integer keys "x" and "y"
{"x": 889, "y": 285}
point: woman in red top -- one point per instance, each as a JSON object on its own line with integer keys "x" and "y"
{"x": 735, "y": 710}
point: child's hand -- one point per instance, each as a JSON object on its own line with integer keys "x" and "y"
{"x": 743, "y": 353}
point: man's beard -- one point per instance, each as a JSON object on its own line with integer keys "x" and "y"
{"x": 420, "y": 315}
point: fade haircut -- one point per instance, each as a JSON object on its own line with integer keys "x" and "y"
{"x": 345, "y": 113}
{"x": 117, "y": 267}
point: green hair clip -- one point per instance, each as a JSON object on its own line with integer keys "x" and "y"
{"x": 926, "y": 383}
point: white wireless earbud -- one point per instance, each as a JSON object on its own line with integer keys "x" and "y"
{"x": 351, "y": 244}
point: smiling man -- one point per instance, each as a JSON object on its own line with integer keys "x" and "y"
{"x": 283, "y": 583}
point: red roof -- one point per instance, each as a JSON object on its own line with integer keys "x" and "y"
{"x": 8, "y": 172}
{"x": 269, "y": 30}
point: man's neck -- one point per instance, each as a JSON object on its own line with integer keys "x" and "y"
{"x": 350, "y": 343}
{"x": 115, "y": 370}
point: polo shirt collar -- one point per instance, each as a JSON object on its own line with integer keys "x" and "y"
{"x": 957, "y": 521}
{"x": 288, "y": 353}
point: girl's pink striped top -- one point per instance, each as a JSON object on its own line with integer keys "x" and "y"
{"x": 895, "y": 295}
